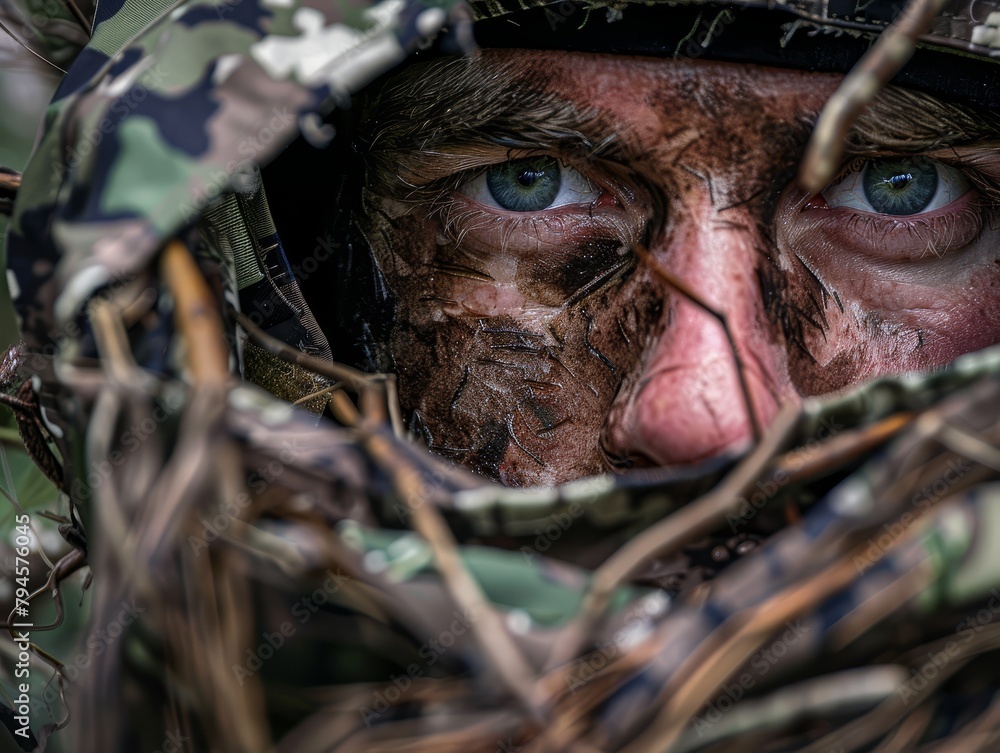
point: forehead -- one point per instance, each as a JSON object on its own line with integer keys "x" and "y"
{"x": 587, "y": 73}
{"x": 738, "y": 126}
{"x": 652, "y": 107}
{"x": 627, "y": 85}
{"x": 744, "y": 124}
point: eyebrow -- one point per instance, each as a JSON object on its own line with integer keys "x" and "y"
{"x": 907, "y": 121}
{"x": 442, "y": 117}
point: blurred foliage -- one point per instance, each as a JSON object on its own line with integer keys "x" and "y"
{"x": 26, "y": 85}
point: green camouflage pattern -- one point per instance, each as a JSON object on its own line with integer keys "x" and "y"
{"x": 820, "y": 606}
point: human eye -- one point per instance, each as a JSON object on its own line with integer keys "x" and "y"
{"x": 563, "y": 227}
{"x": 531, "y": 184}
{"x": 898, "y": 187}
{"x": 903, "y": 208}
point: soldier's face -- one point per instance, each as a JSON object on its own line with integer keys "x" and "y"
{"x": 533, "y": 342}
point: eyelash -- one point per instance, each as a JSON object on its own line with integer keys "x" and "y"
{"x": 987, "y": 186}
{"x": 907, "y": 238}
{"x": 459, "y": 215}
{"x": 874, "y": 228}
{"x": 459, "y": 218}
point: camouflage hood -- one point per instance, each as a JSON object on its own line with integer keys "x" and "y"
{"x": 416, "y": 606}
{"x": 167, "y": 113}
{"x": 165, "y": 116}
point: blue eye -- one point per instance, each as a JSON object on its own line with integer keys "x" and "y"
{"x": 531, "y": 184}
{"x": 524, "y": 185}
{"x": 898, "y": 187}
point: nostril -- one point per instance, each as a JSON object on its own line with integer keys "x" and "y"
{"x": 618, "y": 461}
{"x": 615, "y": 460}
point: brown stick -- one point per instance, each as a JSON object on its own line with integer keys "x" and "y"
{"x": 715, "y": 660}
{"x": 883, "y": 61}
{"x": 335, "y": 371}
{"x": 498, "y": 648}
{"x": 197, "y": 318}
{"x": 668, "y": 535}
{"x": 684, "y": 290}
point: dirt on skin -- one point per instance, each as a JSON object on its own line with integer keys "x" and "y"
{"x": 536, "y": 348}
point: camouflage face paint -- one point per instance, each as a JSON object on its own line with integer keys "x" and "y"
{"x": 530, "y": 342}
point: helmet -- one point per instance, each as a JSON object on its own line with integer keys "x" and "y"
{"x": 278, "y": 566}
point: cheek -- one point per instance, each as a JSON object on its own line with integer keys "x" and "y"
{"x": 967, "y": 320}
{"x": 859, "y": 316}
{"x": 515, "y": 392}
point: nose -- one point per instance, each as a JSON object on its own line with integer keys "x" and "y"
{"x": 685, "y": 403}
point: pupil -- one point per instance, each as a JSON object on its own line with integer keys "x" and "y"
{"x": 900, "y": 186}
{"x": 525, "y": 185}
{"x": 900, "y": 181}
{"x": 527, "y": 177}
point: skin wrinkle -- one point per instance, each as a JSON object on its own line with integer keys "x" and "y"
{"x": 535, "y": 350}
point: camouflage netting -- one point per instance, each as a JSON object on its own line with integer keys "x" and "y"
{"x": 285, "y": 580}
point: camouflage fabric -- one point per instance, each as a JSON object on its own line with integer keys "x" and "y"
{"x": 969, "y": 27}
{"x": 836, "y": 589}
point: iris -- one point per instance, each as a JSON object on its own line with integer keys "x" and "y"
{"x": 900, "y": 187}
{"x": 525, "y": 185}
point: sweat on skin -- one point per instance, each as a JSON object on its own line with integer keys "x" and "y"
{"x": 537, "y": 347}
